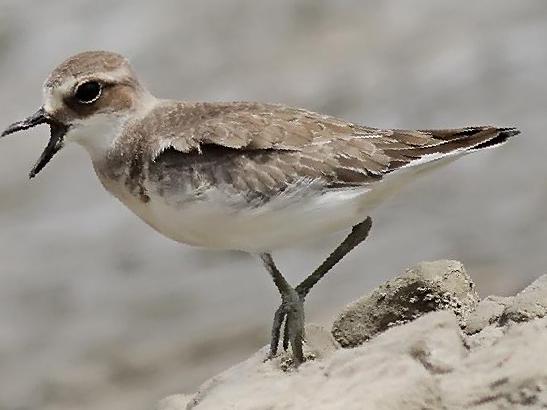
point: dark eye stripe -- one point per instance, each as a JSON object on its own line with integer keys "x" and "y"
{"x": 88, "y": 92}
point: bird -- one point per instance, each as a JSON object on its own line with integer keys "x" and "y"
{"x": 245, "y": 176}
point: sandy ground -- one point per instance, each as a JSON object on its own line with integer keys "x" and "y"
{"x": 98, "y": 311}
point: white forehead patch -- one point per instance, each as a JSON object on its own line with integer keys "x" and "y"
{"x": 53, "y": 97}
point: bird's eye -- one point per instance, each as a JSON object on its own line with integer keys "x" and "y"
{"x": 88, "y": 92}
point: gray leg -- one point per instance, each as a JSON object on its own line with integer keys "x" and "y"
{"x": 357, "y": 235}
{"x": 291, "y": 310}
{"x": 292, "y": 299}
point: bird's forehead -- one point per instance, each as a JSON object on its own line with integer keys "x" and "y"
{"x": 87, "y": 64}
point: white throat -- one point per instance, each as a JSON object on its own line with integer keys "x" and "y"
{"x": 97, "y": 133}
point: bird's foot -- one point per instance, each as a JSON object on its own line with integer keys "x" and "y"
{"x": 290, "y": 312}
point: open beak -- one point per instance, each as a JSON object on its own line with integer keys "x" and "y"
{"x": 57, "y": 132}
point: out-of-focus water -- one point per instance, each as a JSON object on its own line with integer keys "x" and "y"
{"x": 97, "y": 311}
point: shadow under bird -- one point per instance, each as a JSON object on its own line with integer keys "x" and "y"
{"x": 237, "y": 175}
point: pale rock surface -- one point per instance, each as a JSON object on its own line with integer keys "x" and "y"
{"x": 425, "y": 361}
{"x": 488, "y": 312}
{"x": 511, "y": 373}
{"x": 174, "y": 402}
{"x": 529, "y": 304}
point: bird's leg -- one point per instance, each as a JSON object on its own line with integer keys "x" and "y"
{"x": 292, "y": 299}
{"x": 291, "y": 311}
{"x": 357, "y": 235}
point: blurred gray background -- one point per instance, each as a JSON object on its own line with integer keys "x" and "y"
{"x": 97, "y": 311}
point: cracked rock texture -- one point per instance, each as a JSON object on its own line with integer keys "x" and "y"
{"x": 427, "y": 287}
{"x": 421, "y": 341}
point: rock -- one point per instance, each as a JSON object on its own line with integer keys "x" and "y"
{"x": 488, "y": 312}
{"x": 510, "y": 374}
{"x": 319, "y": 344}
{"x": 486, "y": 337}
{"x": 174, "y": 402}
{"x": 529, "y": 304}
{"x": 408, "y": 357}
{"x": 493, "y": 312}
{"x": 499, "y": 362}
{"x": 427, "y": 287}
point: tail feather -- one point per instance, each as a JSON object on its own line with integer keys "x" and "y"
{"x": 449, "y": 142}
{"x": 468, "y": 138}
{"x": 503, "y": 134}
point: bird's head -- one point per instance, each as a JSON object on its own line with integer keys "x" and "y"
{"x": 86, "y": 99}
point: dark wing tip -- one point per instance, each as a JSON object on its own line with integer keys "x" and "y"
{"x": 502, "y": 135}
{"x": 509, "y": 132}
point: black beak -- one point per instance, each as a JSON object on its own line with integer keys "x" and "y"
{"x": 57, "y": 132}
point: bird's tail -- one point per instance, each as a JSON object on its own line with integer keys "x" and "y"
{"x": 449, "y": 143}
{"x": 473, "y": 138}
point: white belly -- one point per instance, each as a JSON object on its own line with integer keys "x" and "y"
{"x": 277, "y": 224}
{"x": 271, "y": 226}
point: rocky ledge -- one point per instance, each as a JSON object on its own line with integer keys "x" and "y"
{"x": 423, "y": 340}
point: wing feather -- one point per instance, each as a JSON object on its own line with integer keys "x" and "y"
{"x": 266, "y": 147}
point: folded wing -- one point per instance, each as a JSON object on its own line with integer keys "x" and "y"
{"x": 265, "y": 149}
